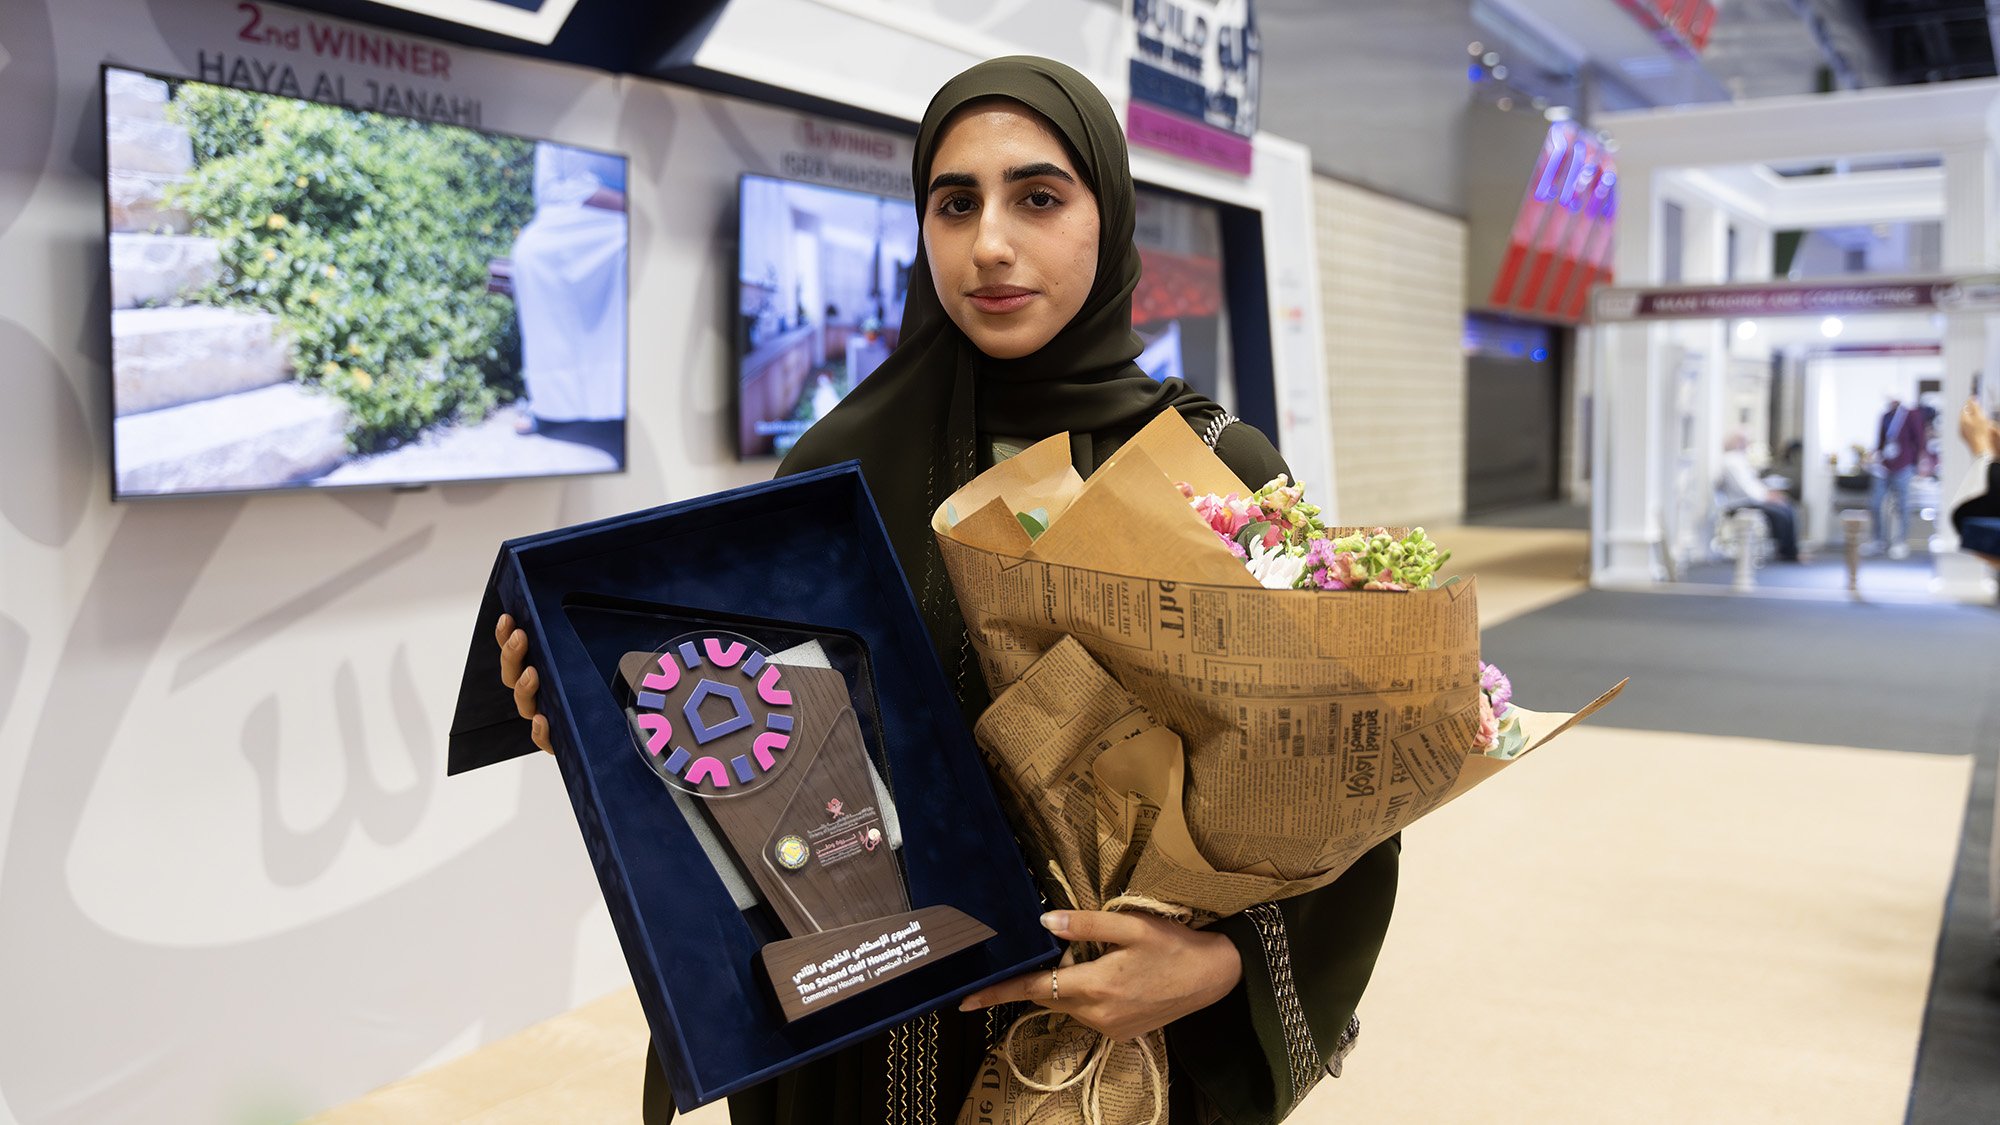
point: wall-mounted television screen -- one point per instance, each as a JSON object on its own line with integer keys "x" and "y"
{"x": 307, "y": 295}
{"x": 821, "y": 275}
{"x": 1179, "y": 309}
{"x": 822, "y": 272}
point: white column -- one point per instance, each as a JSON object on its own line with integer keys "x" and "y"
{"x": 1625, "y": 495}
{"x": 1582, "y": 436}
{"x": 1625, "y": 487}
{"x": 1713, "y": 421}
{"x": 1298, "y": 351}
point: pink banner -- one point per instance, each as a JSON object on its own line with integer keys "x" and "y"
{"x": 1190, "y": 140}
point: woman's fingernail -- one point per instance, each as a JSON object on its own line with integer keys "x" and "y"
{"x": 517, "y": 640}
{"x": 1055, "y": 921}
{"x": 966, "y": 1005}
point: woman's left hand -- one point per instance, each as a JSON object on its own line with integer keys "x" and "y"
{"x": 1152, "y": 973}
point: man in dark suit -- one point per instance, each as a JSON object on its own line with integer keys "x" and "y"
{"x": 1899, "y": 441}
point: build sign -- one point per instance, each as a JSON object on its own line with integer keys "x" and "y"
{"x": 1194, "y": 79}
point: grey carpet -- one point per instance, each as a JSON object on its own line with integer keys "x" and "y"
{"x": 1914, "y": 678}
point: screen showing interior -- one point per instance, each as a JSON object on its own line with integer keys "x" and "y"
{"x": 1179, "y": 309}
{"x": 822, "y": 272}
{"x": 305, "y": 295}
{"x": 821, "y": 276}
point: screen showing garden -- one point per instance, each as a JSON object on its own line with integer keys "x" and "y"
{"x": 305, "y": 295}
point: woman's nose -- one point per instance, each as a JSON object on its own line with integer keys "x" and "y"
{"x": 992, "y": 244}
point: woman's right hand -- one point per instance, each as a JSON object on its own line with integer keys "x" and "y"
{"x": 515, "y": 673}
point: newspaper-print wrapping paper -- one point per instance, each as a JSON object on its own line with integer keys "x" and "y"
{"x": 1171, "y": 735}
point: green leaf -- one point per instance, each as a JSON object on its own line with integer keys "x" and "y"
{"x": 1034, "y": 522}
{"x": 1511, "y": 742}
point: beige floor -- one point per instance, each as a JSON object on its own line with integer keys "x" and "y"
{"x": 1519, "y": 569}
{"x": 586, "y": 1065}
{"x": 1643, "y": 927}
{"x": 1629, "y": 926}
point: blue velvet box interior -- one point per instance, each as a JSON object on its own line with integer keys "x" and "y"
{"x": 807, "y": 549}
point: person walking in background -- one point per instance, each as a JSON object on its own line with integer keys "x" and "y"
{"x": 1899, "y": 441}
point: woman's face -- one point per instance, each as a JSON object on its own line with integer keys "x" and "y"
{"x": 1010, "y": 230}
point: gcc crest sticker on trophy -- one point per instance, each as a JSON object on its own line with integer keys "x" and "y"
{"x": 770, "y": 748}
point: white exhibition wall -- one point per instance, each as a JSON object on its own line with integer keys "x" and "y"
{"x": 235, "y": 884}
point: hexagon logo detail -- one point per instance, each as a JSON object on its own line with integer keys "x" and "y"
{"x": 703, "y": 732}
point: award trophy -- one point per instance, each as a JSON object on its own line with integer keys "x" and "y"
{"x": 762, "y": 884}
{"x": 770, "y": 748}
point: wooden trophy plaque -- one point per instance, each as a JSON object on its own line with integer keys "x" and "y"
{"x": 775, "y": 754}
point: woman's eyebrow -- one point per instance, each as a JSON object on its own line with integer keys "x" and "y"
{"x": 1030, "y": 171}
{"x": 953, "y": 179}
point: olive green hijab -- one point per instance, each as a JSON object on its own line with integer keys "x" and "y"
{"x": 915, "y": 422}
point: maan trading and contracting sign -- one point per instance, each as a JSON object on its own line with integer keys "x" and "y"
{"x": 1800, "y": 298}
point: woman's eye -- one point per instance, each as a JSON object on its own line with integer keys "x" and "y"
{"x": 956, "y": 205}
{"x": 1042, "y": 199}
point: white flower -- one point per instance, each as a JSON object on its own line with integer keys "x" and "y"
{"x": 1274, "y": 567}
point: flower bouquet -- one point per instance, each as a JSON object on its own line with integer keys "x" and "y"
{"x": 1204, "y": 699}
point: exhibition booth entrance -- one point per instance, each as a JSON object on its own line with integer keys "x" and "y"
{"x": 1810, "y": 298}
{"x": 1801, "y": 444}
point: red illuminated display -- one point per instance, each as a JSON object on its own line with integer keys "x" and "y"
{"x": 1679, "y": 25}
{"x": 1561, "y": 242}
{"x": 1172, "y": 286}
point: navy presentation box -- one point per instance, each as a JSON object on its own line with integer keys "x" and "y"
{"x": 807, "y": 555}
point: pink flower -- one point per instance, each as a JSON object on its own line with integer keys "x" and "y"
{"x": 1489, "y": 726}
{"x": 1494, "y": 685}
{"x": 1227, "y": 515}
{"x": 1336, "y": 570}
{"x": 1384, "y": 581}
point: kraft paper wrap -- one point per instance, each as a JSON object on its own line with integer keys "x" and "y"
{"x": 1171, "y": 736}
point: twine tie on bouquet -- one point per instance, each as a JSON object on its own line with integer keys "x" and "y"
{"x": 1090, "y": 1075}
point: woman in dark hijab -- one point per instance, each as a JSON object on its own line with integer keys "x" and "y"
{"x": 1020, "y": 328}
{"x": 925, "y": 421}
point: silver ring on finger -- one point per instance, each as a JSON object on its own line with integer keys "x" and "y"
{"x": 1055, "y": 992}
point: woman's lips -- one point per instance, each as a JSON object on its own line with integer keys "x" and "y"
{"x": 1000, "y": 298}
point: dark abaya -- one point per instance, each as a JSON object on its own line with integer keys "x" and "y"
{"x": 919, "y": 425}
